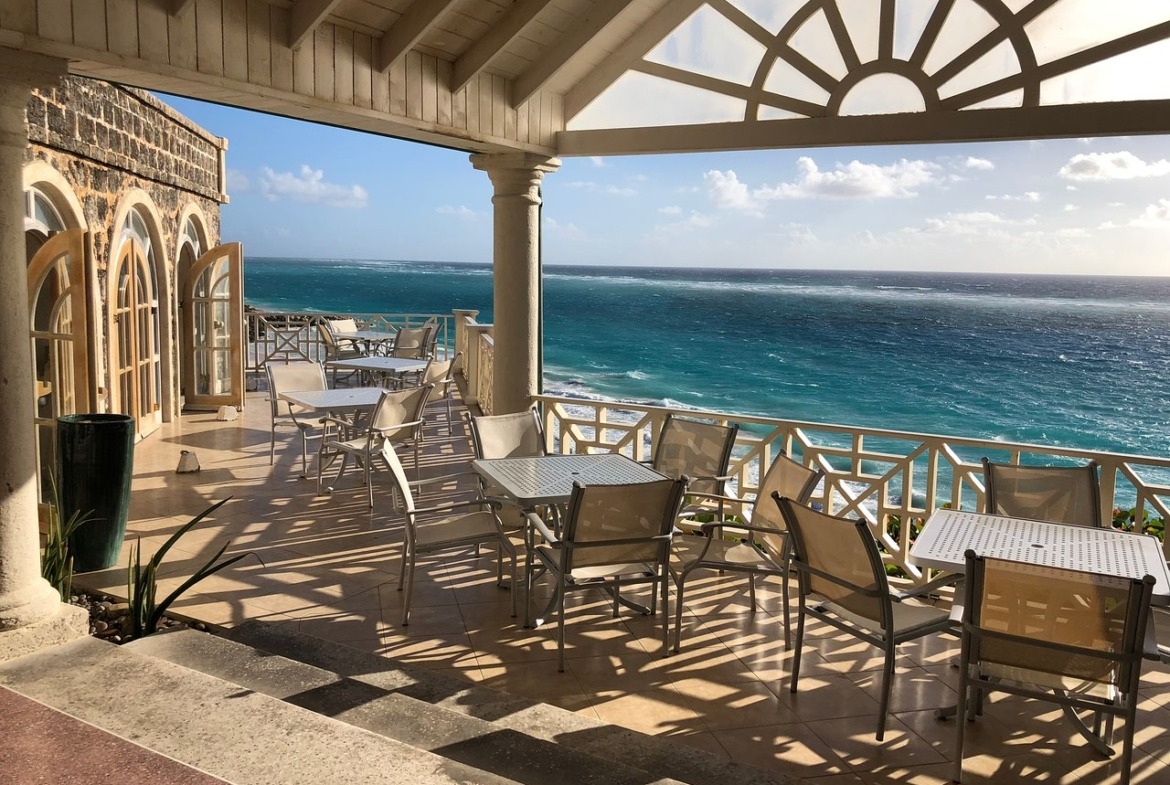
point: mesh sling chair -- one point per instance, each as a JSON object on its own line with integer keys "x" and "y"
{"x": 1061, "y": 494}
{"x": 613, "y": 536}
{"x": 843, "y": 583}
{"x": 289, "y": 377}
{"x": 433, "y": 529}
{"x": 339, "y": 348}
{"x": 517, "y": 435}
{"x": 759, "y": 544}
{"x": 700, "y": 451}
{"x": 397, "y": 419}
{"x": 439, "y": 374}
{"x": 414, "y": 342}
{"x": 1064, "y": 636}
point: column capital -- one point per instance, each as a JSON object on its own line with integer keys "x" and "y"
{"x": 29, "y": 70}
{"x": 538, "y": 165}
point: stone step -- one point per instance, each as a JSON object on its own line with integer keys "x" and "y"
{"x": 475, "y": 742}
{"x": 233, "y": 733}
{"x": 661, "y": 757}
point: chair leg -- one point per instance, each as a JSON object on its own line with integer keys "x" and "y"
{"x": 752, "y": 590}
{"x": 799, "y": 645}
{"x": 787, "y": 613}
{"x": 409, "y": 587}
{"x": 561, "y": 627}
{"x": 678, "y": 608}
{"x": 961, "y": 709}
{"x": 272, "y": 447}
{"x": 662, "y": 578}
{"x": 369, "y": 480}
{"x": 887, "y": 680}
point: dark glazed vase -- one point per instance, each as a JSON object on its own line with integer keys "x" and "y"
{"x": 95, "y": 463}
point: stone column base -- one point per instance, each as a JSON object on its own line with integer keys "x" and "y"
{"x": 68, "y": 623}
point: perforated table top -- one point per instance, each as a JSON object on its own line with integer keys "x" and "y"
{"x": 549, "y": 479}
{"x": 949, "y": 534}
{"x": 337, "y": 400}
{"x": 380, "y": 364}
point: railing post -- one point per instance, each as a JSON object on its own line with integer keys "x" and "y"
{"x": 463, "y": 319}
{"x": 472, "y": 359}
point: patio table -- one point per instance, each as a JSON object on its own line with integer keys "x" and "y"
{"x": 370, "y": 339}
{"x": 548, "y": 479}
{"x": 348, "y": 404}
{"x": 949, "y": 534}
{"x": 380, "y": 366}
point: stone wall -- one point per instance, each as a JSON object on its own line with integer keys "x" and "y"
{"x": 108, "y": 140}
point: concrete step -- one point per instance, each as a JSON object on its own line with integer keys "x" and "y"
{"x": 475, "y": 742}
{"x": 660, "y": 757}
{"x": 236, "y": 734}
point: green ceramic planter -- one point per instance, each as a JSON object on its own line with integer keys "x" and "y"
{"x": 95, "y": 463}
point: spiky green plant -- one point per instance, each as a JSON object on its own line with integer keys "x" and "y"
{"x": 56, "y": 560}
{"x": 145, "y": 610}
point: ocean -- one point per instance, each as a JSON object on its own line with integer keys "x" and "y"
{"x": 1081, "y": 362}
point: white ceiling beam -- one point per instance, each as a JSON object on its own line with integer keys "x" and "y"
{"x": 409, "y": 30}
{"x": 974, "y": 125}
{"x": 557, "y": 55}
{"x": 483, "y": 51}
{"x": 306, "y": 16}
{"x": 634, "y": 48}
{"x": 179, "y": 6}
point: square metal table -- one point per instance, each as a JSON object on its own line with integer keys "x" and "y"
{"x": 340, "y": 400}
{"x": 948, "y": 535}
{"x": 548, "y": 479}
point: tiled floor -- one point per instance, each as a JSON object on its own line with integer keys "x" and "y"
{"x": 329, "y": 565}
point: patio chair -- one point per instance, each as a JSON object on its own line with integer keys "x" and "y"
{"x": 1064, "y": 636}
{"x": 700, "y": 451}
{"x": 843, "y": 583}
{"x": 613, "y": 536}
{"x": 517, "y": 435}
{"x": 438, "y": 373}
{"x": 414, "y": 342}
{"x": 755, "y": 544}
{"x": 286, "y": 377}
{"x": 397, "y": 419}
{"x": 1061, "y": 494}
{"x": 339, "y": 348}
{"x": 428, "y": 530}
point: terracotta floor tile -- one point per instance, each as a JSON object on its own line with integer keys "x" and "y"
{"x": 793, "y": 749}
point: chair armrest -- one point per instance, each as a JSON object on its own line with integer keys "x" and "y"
{"x": 538, "y": 523}
{"x": 747, "y": 527}
{"x": 453, "y": 505}
{"x": 441, "y": 478}
{"x": 720, "y": 497}
{"x": 402, "y": 426}
{"x": 929, "y": 588}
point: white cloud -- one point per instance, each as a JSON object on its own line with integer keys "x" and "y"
{"x": 595, "y": 187}
{"x": 598, "y": 161}
{"x": 1115, "y": 204}
{"x": 1027, "y": 196}
{"x": 725, "y": 190}
{"x": 309, "y": 186}
{"x": 1123, "y": 165}
{"x": 1070, "y": 208}
{"x": 971, "y": 223}
{"x": 237, "y": 181}
{"x": 463, "y": 212}
{"x": 854, "y": 180}
{"x": 568, "y": 230}
{"x": 670, "y": 209}
{"x": 981, "y": 164}
{"x": 1155, "y": 216}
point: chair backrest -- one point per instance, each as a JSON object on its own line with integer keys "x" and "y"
{"x": 342, "y": 325}
{"x": 696, "y": 449}
{"x": 791, "y": 480}
{"x": 398, "y": 474}
{"x": 1061, "y": 494}
{"x": 327, "y": 340}
{"x": 413, "y": 342}
{"x": 287, "y": 377}
{"x": 517, "y": 435}
{"x": 1032, "y": 623}
{"x": 837, "y": 559}
{"x": 396, "y": 407}
{"x": 620, "y": 524}
{"x": 439, "y": 372}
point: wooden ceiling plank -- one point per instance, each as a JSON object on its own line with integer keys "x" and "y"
{"x": 179, "y": 6}
{"x": 306, "y": 15}
{"x": 420, "y": 17}
{"x": 483, "y": 51}
{"x": 634, "y": 48}
{"x": 557, "y": 55}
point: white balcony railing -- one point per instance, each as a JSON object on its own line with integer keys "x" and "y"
{"x": 889, "y": 478}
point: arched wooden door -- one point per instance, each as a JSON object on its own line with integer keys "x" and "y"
{"x": 59, "y": 331}
{"x": 134, "y": 340}
{"x": 213, "y": 321}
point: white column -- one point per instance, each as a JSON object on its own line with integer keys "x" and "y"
{"x": 516, "y": 274}
{"x": 26, "y": 599}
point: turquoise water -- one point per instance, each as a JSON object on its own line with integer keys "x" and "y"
{"x": 1079, "y": 362}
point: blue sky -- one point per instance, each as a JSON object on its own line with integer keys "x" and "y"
{"x": 1081, "y": 206}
